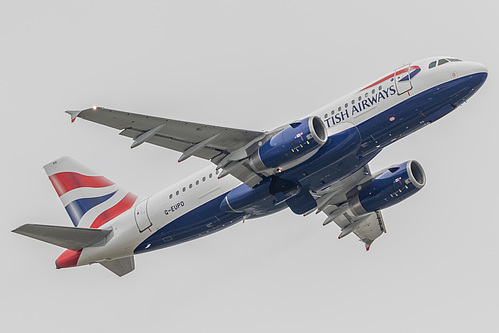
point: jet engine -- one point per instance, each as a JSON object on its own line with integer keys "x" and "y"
{"x": 395, "y": 185}
{"x": 295, "y": 144}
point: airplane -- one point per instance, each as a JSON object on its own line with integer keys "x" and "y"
{"x": 316, "y": 164}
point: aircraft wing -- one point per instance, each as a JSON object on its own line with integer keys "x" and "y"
{"x": 333, "y": 202}
{"x": 221, "y": 145}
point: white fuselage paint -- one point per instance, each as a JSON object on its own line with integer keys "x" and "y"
{"x": 126, "y": 235}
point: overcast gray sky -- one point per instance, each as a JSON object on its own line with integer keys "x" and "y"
{"x": 256, "y": 65}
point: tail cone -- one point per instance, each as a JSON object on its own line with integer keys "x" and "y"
{"x": 68, "y": 258}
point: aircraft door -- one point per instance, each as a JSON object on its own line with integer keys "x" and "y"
{"x": 141, "y": 219}
{"x": 403, "y": 79}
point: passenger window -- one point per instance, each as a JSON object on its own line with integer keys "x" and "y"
{"x": 380, "y": 88}
{"x": 197, "y": 182}
{"x": 211, "y": 175}
{"x": 325, "y": 115}
{"x": 183, "y": 190}
{"x": 190, "y": 185}
{"x": 177, "y": 193}
{"x": 346, "y": 105}
{"x": 204, "y": 179}
{"x": 332, "y": 112}
{"x": 216, "y": 171}
{"x": 353, "y": 101}
{"x": 432, "y": 64}
{"x": 374, "y": 91}
{"x": 171, "y": 196}
{"x": 442, "y": 61}
{"x": 339, "y": 108}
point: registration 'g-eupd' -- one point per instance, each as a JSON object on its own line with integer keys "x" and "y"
{"x": 315, "y": 164}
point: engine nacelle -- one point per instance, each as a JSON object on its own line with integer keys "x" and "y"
{"x": 293, "y": 145}
{"x": 396, "y": 184}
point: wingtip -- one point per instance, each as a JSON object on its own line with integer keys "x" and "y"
{"x": 73, "y": 114}
{"x": 19, "y": 230}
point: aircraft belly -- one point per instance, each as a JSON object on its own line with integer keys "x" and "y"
{"x": 195, "y": 223}
{"x": 336, "y": 160}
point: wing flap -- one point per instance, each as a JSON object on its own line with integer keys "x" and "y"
{"x": 67, "y": 237}
{"x": 174, "y": 144}
{"x": 367, "y": 228}
{"x": 371, "y": 229}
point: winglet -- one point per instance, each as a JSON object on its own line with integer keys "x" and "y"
{"x": 73, "y": 114}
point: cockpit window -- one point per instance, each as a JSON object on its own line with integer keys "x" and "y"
{"x": 442, "y": 61}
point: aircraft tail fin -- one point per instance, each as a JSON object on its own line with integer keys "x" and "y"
{"x": 70, "y": 238}
{"x": 90, "y": 200}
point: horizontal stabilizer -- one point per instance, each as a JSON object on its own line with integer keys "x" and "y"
{"x": 67, "y": 237}
{"x": 121, "y": 266}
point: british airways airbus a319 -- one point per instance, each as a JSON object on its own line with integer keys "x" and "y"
{"x": 316, "y": 164}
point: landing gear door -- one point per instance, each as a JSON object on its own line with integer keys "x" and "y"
{"x": 403, "y": 79}
{"x": 141, "y": 218}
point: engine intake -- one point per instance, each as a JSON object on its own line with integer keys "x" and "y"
{"x": 293, "y": 145}
{"x": 395, "y": 185}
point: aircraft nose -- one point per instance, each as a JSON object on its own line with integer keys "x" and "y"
{"x": 476, "y": 68}
{"x": 478, "y": 73}
{"x": 473, "y": 73}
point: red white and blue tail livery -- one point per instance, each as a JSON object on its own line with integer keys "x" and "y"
{"x": 90, "y": 200}
{"x": 318, "y": 163}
